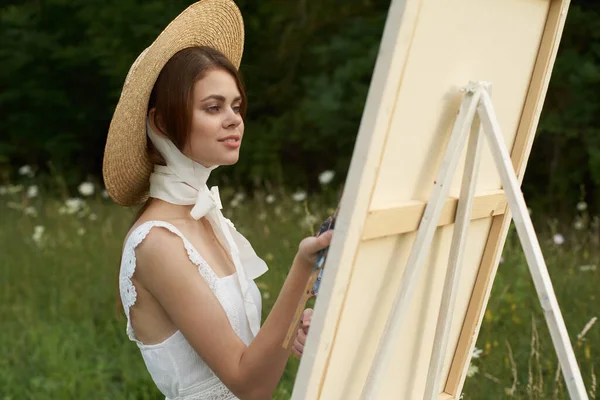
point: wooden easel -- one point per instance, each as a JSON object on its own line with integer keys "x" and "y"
{"x": 477, "y": 102}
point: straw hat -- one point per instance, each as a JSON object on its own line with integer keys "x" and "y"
{"x": 126, "y": 167}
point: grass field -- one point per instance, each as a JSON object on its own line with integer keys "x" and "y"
{"x": 60, "y": 339}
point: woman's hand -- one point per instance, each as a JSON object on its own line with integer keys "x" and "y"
{"x": 298, "y": 346}
{"x": 309, "y": 247}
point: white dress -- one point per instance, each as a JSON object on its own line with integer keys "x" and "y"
{"x": 177, "y": 370}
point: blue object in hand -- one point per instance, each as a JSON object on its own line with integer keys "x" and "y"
{"x": 328, "y": 224}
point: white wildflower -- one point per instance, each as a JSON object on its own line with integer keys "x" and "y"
{"x": 326, "y": 176}
{"x": 3, "y": 190}
{"x": 309, "y": 220}
{"x": 473, "y": 370}
{"x": 582, "y": 206}
{"x": 74, "y": 205}
{"x": 38, "y": 233}
{"x": 299, "y": 196}
{"x": 266, "y": 295}
{"x": 476, "y": 352}
{"x": 12, "y": 189}
{"x": 93, "y": 217}
{"x": 239, "y": 197}
{"x": 104, "y": 194}
{"x": 31, "y": 211}
{"x": 62, "y": 210}
{"x": 86, "y": 188}
{"x": 263, "y": 285}
{"x": 270, "y": 199}
{"x": 26, "y": 170}
{"x": 501, "y": 259}
{"x": 234, "y": 203}
{"x": 589, "y": 267}
{"x": 558, "y": 239}
{"x": 32, "y": 191}
{"x": 579, "y": 224}
{"x": 81, "y": 231}
{"x": 262, "y": 216}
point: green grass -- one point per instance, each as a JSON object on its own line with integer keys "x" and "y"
{"x": 60, "y": 339}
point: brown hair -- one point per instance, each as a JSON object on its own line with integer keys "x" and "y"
{"x": 172, "y": 96}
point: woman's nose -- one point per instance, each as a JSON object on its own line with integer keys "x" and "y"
{"x": 233, "y": 119}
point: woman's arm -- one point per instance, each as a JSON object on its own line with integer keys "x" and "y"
{"x": 265, "y": 358}
{"x": 252, "y": 372}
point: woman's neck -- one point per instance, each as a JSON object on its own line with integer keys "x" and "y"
{"x": 162, "y": 210}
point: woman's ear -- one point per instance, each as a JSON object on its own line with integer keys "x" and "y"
{"x": 152, "y": 117}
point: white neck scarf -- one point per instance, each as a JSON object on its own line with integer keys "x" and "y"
{"x": 183, "y": 181}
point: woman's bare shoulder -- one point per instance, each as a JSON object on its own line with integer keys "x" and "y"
{"x": 158, "y": 236}
{"x": 151, "y": 219}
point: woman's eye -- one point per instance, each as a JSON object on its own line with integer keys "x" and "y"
{"x": 213, "y": 109}
{"x": 236, "y": 109}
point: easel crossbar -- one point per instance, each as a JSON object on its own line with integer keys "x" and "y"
{"x": 405, "y": 217}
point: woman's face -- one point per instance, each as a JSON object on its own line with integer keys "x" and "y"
{"x": 217, "y": 126}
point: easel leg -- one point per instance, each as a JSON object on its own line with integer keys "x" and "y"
{"x": 533, "y": 252}
{"x": 422, "y": 242}
{"x": 451, "y": 283}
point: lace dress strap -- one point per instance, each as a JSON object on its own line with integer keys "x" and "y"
{"x": 128, "y": 263}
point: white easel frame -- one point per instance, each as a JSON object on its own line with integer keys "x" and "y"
{"x": 478, "y": 102}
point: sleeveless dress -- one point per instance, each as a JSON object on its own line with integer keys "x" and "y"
{"x": 175, "y": 367}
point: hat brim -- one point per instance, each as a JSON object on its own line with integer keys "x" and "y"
{"x": 126, "y": 168}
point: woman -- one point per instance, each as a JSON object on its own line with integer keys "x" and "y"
{"x": 187, "y": 276}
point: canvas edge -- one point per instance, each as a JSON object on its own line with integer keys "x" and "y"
{"x": 354, "y": 205}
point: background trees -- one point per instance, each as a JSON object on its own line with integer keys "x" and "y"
{"x": 307, "y": 66}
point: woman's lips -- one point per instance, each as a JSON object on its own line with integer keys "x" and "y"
{"x": 231, "y": 143}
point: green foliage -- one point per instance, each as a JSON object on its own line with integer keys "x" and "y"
{"x": 566, "y": 152}
{"x": 307, "y": 87}
{"x": 62, "y": 67}
{"x": 307, "y": 66}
